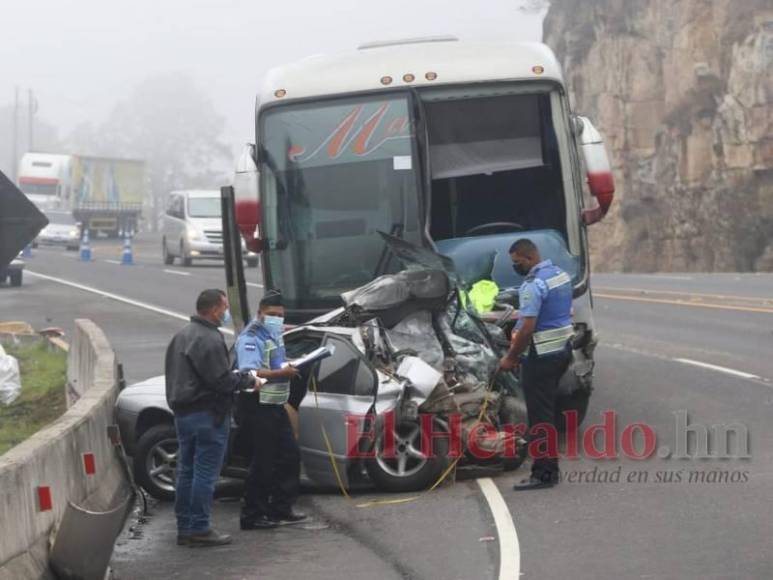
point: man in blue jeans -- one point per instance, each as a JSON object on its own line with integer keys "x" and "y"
{"x": 200, "y": 387}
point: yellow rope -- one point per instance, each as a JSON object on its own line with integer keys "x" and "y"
{"x": 377, "y": 502}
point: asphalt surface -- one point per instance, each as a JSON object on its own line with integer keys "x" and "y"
{"x": 657, "y": 334}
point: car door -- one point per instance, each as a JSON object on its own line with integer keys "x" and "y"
{"x": 346, "y": 387}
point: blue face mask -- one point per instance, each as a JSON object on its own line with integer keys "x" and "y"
{"x": 274, "y": 325}
{"x": 226, "y": 319}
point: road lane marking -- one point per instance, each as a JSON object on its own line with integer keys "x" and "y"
{"x": 678, "y": 293}
{"x": 119, "y": 298}
{"x": 113, "y": 262}
{"x": 177, "y": 272}
{"x": 659, "y": 276}
{"x": 682, "y": 303}
{"x": 633, "y": 350}
{"x": 718, "y": 368}
{"x": 509, "y": 549}
{"x": 255, "y": 285}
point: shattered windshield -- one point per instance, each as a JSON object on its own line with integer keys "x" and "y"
{"x": 334, "y": 175}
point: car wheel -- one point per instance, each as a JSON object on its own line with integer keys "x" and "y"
{"x": 186, "y": 260}
{"x": 155, "y": 461}
{"x": 407, "y": 469}
{"x": 16, "y": 278}
{"x": 252, "y": 262}
{"x": 513, "y": 412}
{"x": 168, "y": 258}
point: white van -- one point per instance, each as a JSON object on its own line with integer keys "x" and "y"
{"x": 192, "y": 228}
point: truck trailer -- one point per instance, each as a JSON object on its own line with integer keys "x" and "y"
{"x": 103, "y": 194}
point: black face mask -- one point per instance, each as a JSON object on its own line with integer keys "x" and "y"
{"x": 521, "y": 270}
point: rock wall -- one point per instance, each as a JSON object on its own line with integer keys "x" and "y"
{"x": 683, "y": 92}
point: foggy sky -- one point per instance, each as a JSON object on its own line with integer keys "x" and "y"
{"x": 82, "y": 56}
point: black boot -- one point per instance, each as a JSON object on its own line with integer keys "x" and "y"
{"x": 537, "y": 481}
{"x": 211, "y": 538}
{"x": 259, "y": 522}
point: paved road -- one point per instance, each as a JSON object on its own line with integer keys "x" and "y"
{"x": 666, "y": 348}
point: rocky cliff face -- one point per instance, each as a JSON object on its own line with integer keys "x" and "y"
{"x": 683, "y": 92}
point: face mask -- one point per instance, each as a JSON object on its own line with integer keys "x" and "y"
{"x": 274, "y": 324}
{"x": 521, "y": 270}
{"x": 226, "y": 318}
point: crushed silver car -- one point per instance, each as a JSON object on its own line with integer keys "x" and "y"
{"x": 412, "y": 381}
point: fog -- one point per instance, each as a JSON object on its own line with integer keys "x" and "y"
{"x": 83, "y": 57}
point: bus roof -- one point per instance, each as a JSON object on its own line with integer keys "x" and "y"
{"x": 452, "y": 61}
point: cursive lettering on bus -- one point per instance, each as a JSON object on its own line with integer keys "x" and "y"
{"x": 360, "y": 139}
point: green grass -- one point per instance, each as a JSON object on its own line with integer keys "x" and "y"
{"x": 42, "y": 398}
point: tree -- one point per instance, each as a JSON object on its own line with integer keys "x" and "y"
{"x": 171, "y": 124}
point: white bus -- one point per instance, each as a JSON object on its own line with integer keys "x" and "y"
{"x": 458, "y": 146}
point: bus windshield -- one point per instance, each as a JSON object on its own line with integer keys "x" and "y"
{"x": 333, "y": 175}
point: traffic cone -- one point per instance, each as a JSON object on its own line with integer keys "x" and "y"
{"x": 85, "y": 247}
{"x": 27, "y": 251}
{"x": 127, "y": 259}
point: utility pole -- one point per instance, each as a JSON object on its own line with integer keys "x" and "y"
{"x": 15, "y": 135}
{"x": 31, "y": 110}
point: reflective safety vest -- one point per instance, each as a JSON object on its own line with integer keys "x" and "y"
{"x": 257, "y": 349}
{"x": 547, "y": 294}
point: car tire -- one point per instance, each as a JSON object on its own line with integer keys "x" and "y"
{"x": 417, "y": 473}
{"x": 186, "y": 260}
{"x": 513, "y": 412}
{"x": 252, "y": 262}
{"x": 16, "y": 277}
{"x": 168, "y": 258}
{"x": 149, "y": 455}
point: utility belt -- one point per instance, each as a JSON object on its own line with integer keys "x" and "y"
{"x": 552, "y": 341}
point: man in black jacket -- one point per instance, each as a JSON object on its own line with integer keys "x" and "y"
{"x": 200, "y": 388}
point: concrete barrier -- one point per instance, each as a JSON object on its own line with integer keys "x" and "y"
{"x": 71, "y": 460}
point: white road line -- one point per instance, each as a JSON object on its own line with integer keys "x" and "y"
{"x": 509, "y": 549}
{"x": 254, "y": 285}
{"x": 119, "y": 298}
{"x": 177, "y": 272}
{"x": 113, "y": 262}
{"x": 718, "y": 368}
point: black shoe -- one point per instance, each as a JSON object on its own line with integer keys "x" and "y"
{"x": 211, "y": 538}
{"x": 257, "y": 523}
{"x": 535, "y": 483}
{"x": 183, "y": 540}
{"x": 290, "y": 517}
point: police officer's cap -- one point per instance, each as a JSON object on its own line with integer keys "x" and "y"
{"x": 271, "y": 298}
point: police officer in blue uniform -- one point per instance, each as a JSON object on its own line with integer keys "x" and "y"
{"x": 273, "y": 481}
{"x": 540, "y": 345}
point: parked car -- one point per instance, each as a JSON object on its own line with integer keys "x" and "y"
{"x": 192, "y": 228}
{"x": 403, "y": 349}
{"x": 62, "y": 230}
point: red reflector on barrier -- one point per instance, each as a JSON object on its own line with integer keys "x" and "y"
{"x": 45, "y": 504}
{"x": 89, "y": 464}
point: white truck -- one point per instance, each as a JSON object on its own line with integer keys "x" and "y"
{"x": 103, "y": 194}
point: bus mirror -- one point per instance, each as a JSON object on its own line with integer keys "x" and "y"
{"x": 247, "y": 198}
{"x": 600, "y": 180}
